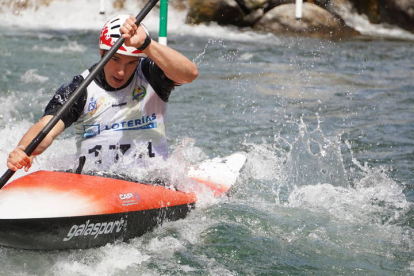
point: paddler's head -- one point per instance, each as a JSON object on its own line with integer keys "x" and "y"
{"x": 122, "y": 65}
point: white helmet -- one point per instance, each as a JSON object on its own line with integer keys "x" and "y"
{"x": 110, "y": 34}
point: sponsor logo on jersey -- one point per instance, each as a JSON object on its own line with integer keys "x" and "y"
{"x": 91, "y": 130}
{"x": 118, "y": 104}
{"x": 145, "y": 122}
{"x": 95, "y": 229}
{"x": 139, "y": 93}
{"x": 94, "y": 105}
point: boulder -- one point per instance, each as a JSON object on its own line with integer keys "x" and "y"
{"x": 253, "y": 17}
{"x": 179, "y": 5}
{"x": 341, "y": 9}
{"x": 223, "y": 12}
{"x": 249, "y": 6}
{"x": 395, "y": 12}
{"x": 17, "y": 6}
{"x": 118, "y": 4}
{"x": 368, "y": 7}
{"x": 315, "y": 22}
{"x": 274, "y": 3}
{"x": 321, "y": 3}
{"x": 398, "y": 12}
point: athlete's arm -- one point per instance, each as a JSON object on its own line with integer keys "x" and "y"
{"x": 176, "y": 66}
{"x": 18, "y": 158}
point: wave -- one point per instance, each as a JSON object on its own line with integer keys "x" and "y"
{"x": 72, "y": 46}
{"x": 31, "y": 77}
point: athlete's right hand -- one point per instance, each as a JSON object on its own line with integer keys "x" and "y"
{"x": 19, "y": 159}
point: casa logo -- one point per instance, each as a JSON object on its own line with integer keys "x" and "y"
{"x": 139, "y": 93}
{"x": 130, "y": 199}
{"x": 95, "y": 229}
{"x": 126, "y": 196}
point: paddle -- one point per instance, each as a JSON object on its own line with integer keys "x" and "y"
{"x": 78, "y": 92}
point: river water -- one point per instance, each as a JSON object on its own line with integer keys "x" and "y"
{"x": 327, "y": 127}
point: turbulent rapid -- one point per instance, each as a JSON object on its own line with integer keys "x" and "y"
{"x": 327, "y": 127}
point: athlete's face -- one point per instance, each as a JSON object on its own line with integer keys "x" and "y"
{"x": 119, "y": 69}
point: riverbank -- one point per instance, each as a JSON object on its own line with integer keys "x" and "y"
{"x": 327, "y": 19}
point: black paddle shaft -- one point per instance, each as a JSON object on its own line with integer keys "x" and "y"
{"x": 78, "y": 92}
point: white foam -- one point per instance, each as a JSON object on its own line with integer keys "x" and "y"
{"x": 55, "y": 157}
{"x": 31, "y": 77}
{"x": 380, "y": 202}
{"x": 361, "y": 23}
{"x": 107, "y": 260}
{"x": 84, "y": 15}
{"x": 72, "y": 46}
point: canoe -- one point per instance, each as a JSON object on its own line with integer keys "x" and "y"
{"x": 50, "y": 210}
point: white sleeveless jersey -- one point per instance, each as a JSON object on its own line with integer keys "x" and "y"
{"x": 127, "y": 123}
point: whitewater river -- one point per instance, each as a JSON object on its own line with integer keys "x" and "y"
{"x": 327, "y": 127}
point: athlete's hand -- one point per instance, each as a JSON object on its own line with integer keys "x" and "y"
{"x": 19, "y": 159}
{"x": 134, "y": 35}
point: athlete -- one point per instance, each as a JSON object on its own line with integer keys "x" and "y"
{"x": 122, "y": 112}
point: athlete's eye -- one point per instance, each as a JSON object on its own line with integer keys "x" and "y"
{"x": 135, "y": 62}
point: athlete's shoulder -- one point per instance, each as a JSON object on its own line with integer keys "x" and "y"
{"x": 157, "y": 79}
{"x": 67, "y": 89}
{"x": 61, "y": 97}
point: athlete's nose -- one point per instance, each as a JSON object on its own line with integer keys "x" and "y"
{"x": 121, "y": 70}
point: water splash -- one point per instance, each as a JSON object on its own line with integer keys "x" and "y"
{"x": 314, "y": 159}
{"x": 309, "y": 173}
{"x": 317, "y": 180}
{"x": 107, "y": 260}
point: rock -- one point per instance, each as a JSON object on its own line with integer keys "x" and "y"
{"x": 315, "y": 22}
{"x": 368, "y": 7}
{"x": 395, "y": 12}
{"x": 398, "y": 12}
{"x": 118, "y": 4}
{"x": 179, "y": 5}
{"x": 322, "y": 3}
{"x": 223, "y": 12}
{"x": 274, "y": 3}
{"x": 253, "y": 17}
{"x": 249, "y": 6}
{"x": 341, "y": 9}
{"x": 18, "y": 5}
